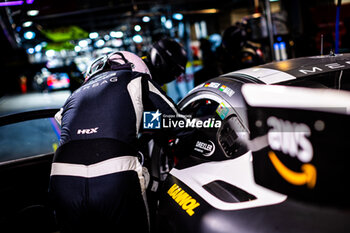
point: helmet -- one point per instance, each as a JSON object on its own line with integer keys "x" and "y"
{"x": 234, "y": 38}
{"x": 167, "y": 60}
{"x": 117, "y": 61}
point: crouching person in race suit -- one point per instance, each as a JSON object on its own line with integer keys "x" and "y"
{"x": 96, "y": 179}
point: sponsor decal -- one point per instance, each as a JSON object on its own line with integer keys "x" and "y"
{"x": 326, "y": 67}
{"x": 151, "y": 120}
{"x": 205, "y": 148}
{"x": 292, "y": 139}
{"x": 307, "y": 176}
{"x": 87, "y": 131}
{"x": 212, "y": 85}
{"x": 183, "y": 199}
{"x": 155, "y": 120}
{"x": 107, "y": 78}
{"x": 222, "y": 110}
{"x": 228, "y": 91}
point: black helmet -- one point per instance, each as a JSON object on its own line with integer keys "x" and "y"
{"x": 234, "y": 38}
{"x": 167, "y": 60}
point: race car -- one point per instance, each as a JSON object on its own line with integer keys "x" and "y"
{"x": 217, "y": 181}
{"x": 241, "y": 177}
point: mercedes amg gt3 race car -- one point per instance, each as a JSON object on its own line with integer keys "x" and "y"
{"x": 278, "y": 161}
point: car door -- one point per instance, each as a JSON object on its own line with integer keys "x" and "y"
{"x": 27, "y": 144}
{"x": 207, "y": 177}
{"x": 225, "y": 138}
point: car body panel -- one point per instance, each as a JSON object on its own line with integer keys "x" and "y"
{"x": 270, "y": 211}
{"x": 296, "y": 68}
{"x": 24, "y": 200}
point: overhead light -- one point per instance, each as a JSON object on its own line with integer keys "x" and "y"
{"x": 146, "y": 19}
{"x": 169, "y": 24}
{"x": 32, "y": 13}
{"x": 83, "y": 43}
{"x": 15, "y": 3}
{"x": 38, "y": 48}
{"x": 137, "y": 28}
{"x": 50, "y": 53}
{"x": 99, "y": 43}
{"x": 137, "y": 39}
{"x": 27, "y": 24}
{"x": 30, "y": 51}
{"x": 93, "y": 35}
{"x": 106, "y": 50}
{"x": 178, "y": 16}
{"x": 77, "y": 48}
{"x": 204, "y": 11}
{"x": 163, "y": 19}
{"x": 117, "y": 42}
{"x": 117, "y": 34}
{"x": 256, "y": 15}
{"x": 29, "y": 35}
{"x": 12, "y": 3}
{"x": 106, "y": 37}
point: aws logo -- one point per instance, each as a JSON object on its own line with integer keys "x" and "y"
{"x": 291, "y": 138}
{"x": 183, "y": 199}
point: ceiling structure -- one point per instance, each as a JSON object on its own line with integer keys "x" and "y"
{"x": 92, "y": 15}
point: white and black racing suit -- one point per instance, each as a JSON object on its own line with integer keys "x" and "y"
{"x": 96, "y": 179}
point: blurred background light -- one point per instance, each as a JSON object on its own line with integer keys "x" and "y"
{"x": 163, "y": 19}
{"x": 137, "y": 28}
{"x": 29, "y": 35}
{"x": 27, "y": 24}
{"x": 106, "y": 50}
{"x": 15, "y": 3}
{"x": 93, "y": 35}
{"x": 117, "y": 42}
{"x": 116, "y": 34}
{"x": 137, "y": 39}
{"x": 77, "y": 48}
{"x": 169, "y": 24}
{"x": 38, "y": 48}
{"x": 178, "y": 16}
{"x": 99, "y": 43}
{"x": 30, "y": 51}
{"x": 106, "y": 37}
{"x": 83, "y": 43}
{"x": 50, "y": 53}
{"x": 146, "y": 19}
{"x": 32, "y": 13}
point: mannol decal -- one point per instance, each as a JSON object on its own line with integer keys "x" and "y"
{"x": 183, "y": 199}
{"x": 291, "y": 138}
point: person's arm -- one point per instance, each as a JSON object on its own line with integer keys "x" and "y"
{"x": 156, "y": 99}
